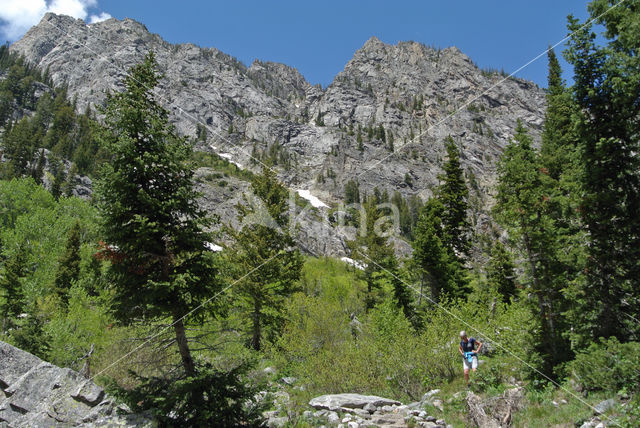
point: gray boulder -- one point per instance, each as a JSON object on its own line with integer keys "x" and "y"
{"x": 605, "y": 405}
{"x": 350, "y": 401}
{"x": 37, "y": 393}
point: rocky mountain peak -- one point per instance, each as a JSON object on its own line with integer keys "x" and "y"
{"x": 317, "y": 139}
{"x": 373, "y": 44}
{"x": 279, "y": 79}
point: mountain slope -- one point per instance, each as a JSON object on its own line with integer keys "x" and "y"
{"x": 408, "y": 94}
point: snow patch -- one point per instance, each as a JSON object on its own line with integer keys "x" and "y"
{"x": 228, "y": 157}
{"x": 213, "y": 247}
{"x": 353, "y": 263}
{"x": 314, "y": 201}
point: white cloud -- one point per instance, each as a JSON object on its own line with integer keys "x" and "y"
{"x": 75, "y": 8}
{"x": 17, "y": 16}
{"x": 99, "y": 18}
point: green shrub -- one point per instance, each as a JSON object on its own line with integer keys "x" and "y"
{"x": 212, "y": 398}
{"x": 631, "y": 414}
{"x": 490, "y": 377}
{"x": 608, "y": 366}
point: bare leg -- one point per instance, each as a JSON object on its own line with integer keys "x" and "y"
{"x": 466, "y": 376}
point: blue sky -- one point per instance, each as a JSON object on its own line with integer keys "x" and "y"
{"x": 318, "y": 38}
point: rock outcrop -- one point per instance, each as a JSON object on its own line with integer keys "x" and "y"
{"x": 351, "y": 401}
{"x": 381, "y": 122}
{"x": 356, "y": 410}
{"x": 37, "y": 393}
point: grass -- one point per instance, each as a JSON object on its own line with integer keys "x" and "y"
{"x": 541, "y": 412}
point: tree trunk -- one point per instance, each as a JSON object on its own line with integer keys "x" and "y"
{"x": 183, "y": 346}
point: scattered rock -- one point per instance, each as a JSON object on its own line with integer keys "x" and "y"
{"x": 333, "y": 417}
{"x": 277, "y": 422}
{"x": 605, "y": 405}
{"x": 427, "y": 397}
{"x": 289, "y": 380}
{"x": 269, "y": 370}
{"x": 438, "y": 404}
{"x": 369, "y": 407}
{"x": 89, "y": 393}
{"x": 350, "y": 401}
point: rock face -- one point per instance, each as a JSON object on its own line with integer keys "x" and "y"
{"x": 37, "y": 393}
{"x": 381, "y": 122}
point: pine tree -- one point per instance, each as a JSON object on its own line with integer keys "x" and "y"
{"x": 371, "y": 247}
{"x": 453, "y": 193}
{"x": 351, "y": 192}
{"x": 501, "y": 274}
{"x": 59, "y": 175}
{"x": 38, "y": 171}
{"x": 441, "y": 234}
{"x": 68, "y": 265}
{"x": 11, "y": 283}
{"x": 525, "y": 207}
{"x": 442, "y": 269}
{"x": 558, "y": 140}
{"x": 265, "y": 249}
{"x": 151, "y": 221}
{"x": 18, "y": 148}
{"x": 607, "y": 84}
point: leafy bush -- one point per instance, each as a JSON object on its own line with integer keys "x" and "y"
{"x": 490, "y": 378}
{"x": 382, "y": 353}
{"x": 608, "y": 366}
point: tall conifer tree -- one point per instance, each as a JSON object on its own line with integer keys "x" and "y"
{"x": 453, "y": 193}
{"x": 151, "y": 221}
{"x": 265, "y": 249}
{"x": 607, "y": 84}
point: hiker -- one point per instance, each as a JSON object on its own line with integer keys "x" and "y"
{"x": 469, "y": 354}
